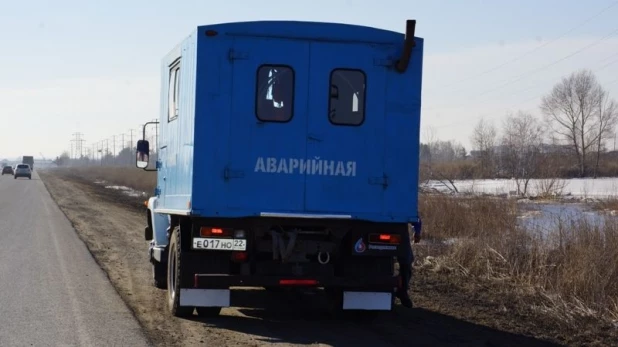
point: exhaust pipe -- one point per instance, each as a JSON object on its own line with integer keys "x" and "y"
{"x": 401, "y": 65}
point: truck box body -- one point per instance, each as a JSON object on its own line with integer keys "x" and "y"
{"x": 28, "y": 159}
{"x": 290, "y": 118}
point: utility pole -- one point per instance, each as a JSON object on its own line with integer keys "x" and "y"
{"x": 122, "y": 147}
{"x": 78, "y": 145}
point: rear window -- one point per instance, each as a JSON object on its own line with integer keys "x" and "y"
{"x": 274, "y": 97}
{"x": 23, "y": 166}
{"x": 346, "y": 103}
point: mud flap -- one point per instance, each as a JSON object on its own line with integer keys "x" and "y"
{"x": 204, "y": 297}
{"x": 372, "y": 301}
{"x": 147, "y": 233}
{"x": 157, "y": 253}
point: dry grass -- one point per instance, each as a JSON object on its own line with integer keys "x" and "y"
{"x": 571, "y": 273}
{"x": 131, "y": 177}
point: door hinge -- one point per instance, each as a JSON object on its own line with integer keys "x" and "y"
{"x": 157, "y": 191}
{"x": 158, "y": 164}
{"x": 237, "y": 55}
{"x": 228, "y": 173}
{"x": 379, "y": 181}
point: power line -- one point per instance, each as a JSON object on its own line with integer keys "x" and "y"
{"x": 554, "y": 62}
{"x": 537, "y": 96}
{"x": 608, "y": 64}
{"x": 520, "y": 77}
{"x": 609, "y": 57}
{"x": 532, "y": 50}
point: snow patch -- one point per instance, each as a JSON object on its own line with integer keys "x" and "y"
{"x": 124, "y": 189}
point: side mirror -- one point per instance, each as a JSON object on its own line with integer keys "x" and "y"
{"x": 142, "y": 152}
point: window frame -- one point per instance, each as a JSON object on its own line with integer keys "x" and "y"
{"x": 362, "y": 100}
{"x": 257, "y": 94}
{"x": 174, "y": 71}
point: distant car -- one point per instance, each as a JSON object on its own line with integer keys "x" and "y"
{"x": 22, "y": 170}
{"x": 7, "y": 170}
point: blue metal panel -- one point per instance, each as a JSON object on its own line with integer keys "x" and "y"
{"x": 265, "y": 158}
{"x": 402, "y": 134}
{"x": 176, "y": 138}
{"x": 350, "y": 175}
{"x": 228, "y": 179}
{"x": 212, "y": 126}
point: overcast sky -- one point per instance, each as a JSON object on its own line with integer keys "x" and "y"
{"x": 93, "y": 66}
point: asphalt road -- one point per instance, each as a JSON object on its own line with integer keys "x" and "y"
{"x": 52, "y": 292}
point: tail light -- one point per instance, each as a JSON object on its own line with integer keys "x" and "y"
{"x": 215, "y": 232}
{"x": 390, "y": 239}
{"x": 298, "y": 282}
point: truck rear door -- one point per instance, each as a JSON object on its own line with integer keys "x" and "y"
{"x": 346, "y": 128}
{"x": 268, "y": 124}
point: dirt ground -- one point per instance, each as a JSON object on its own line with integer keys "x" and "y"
{"x": 111, "y": 225}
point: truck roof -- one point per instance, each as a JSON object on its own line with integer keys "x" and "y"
{"x": 326, "y": 31}
{"x": 299, "y": 30}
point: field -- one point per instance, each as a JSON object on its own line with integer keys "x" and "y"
{"x": 480, "y": 277}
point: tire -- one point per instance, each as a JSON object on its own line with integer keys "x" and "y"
{"x": 29, "y": 177}
{"x": 174, "y": 264}
{"x": 159, "y": 275}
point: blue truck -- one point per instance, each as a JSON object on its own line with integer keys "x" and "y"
{"x": 288, "y": 156}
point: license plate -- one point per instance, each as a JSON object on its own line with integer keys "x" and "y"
{"x": 220, "y": 244}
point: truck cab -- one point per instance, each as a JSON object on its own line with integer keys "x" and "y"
{"x": 288, "y": 156}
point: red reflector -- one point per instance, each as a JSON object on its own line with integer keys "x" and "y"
{"x": 385, "y": 237}
{"x": 239, "y": 256}
{"x": 211, "y": 33}
{"x": 298, "y": 282}
{"x": 217, "y": 231}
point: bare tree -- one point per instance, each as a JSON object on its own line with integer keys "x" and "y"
{"x": 446, "y": 151}
{"x": 484, "y": 140}
{"x": 437, "y": 152}
{"x": 522, "y": 140}
{"x": 606, "y": 119}
{"x": 571, "y": 108}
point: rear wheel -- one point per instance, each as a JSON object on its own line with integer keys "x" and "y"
{"x": 174, "y": 264}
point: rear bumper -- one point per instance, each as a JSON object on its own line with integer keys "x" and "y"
{"x": 212, "y": 281}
